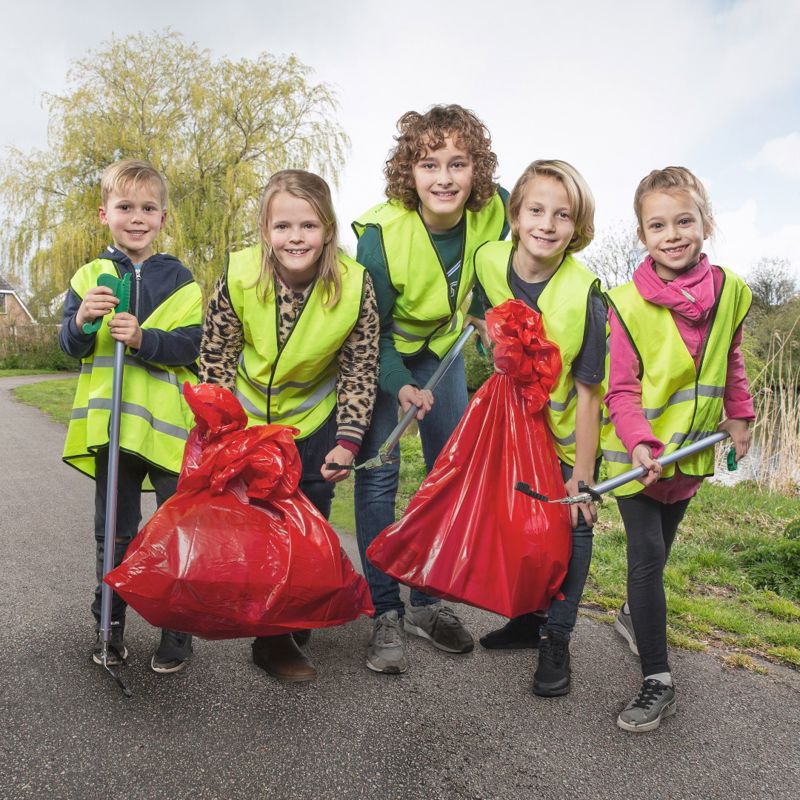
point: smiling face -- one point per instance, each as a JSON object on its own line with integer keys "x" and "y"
{"x": 673, "y": 231}
{"x": 443, "y": 180}
{"x": 545, "y": 226}
{"x": 134, "y": 216}
{"x": 297, "y": 237}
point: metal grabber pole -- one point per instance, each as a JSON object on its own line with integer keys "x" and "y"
{"x": 122, "y": 289}
{"x": 593, "y": 493}
{"x": 384, "y": 455}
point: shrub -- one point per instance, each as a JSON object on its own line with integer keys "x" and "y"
{"x": 36, "y": 348}
{"x": 775, "y": 566}
{"x": 477, "y": 367}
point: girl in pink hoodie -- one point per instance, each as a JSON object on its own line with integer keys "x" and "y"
{"x": 675, "y": 365}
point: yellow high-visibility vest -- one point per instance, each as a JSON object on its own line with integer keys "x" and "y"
{"x": 155, "y": 418}
{"x": 424, "y": 313}
{"x": 682, "y": 403}
{"x": 294, "y": 383}
{"x": 564, "y": 305}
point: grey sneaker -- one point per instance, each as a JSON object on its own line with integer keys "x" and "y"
{"x": 644, "y": 713}
{"x": 441, "y": 626}
{"x": 623, "y": 625}
{"x": 386, "y": 651}
{"x": 174, "y": 652}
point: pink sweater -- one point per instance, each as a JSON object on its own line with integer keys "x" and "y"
{"x": 690, "y": 298}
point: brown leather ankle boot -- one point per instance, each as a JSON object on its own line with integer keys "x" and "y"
{"x": 280, "y": 657}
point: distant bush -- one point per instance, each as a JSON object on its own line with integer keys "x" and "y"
{"x": 478, "y": 368}
{"x": 34, "y": 347}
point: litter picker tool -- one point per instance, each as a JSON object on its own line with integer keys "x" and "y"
{"x": 590, "y": 494}
{"x": 384, "y": 455}
{"x": 121, "y": 287}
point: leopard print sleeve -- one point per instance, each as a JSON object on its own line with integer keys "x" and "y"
{"x": 223, "y": 339}
{"x": 357, "y": 381}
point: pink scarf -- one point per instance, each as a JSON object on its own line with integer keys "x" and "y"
{"x": 691, "y": 294}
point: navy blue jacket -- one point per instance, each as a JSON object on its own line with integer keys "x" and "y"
{"x": 160, "y": 276}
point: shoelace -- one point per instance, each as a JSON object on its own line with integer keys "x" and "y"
{"x": 650, "y": 692}
{"x": 388, "y": 632}
{"x": 448, "y": 616}
{"x": 552, "y": 650}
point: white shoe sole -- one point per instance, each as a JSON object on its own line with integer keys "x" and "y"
{"x": 668, "y": 710}
{"x": 392, "y": 670}
{"x": 167, "y": 670}
{"x": 626, "y": 635}
{"x": 421, "y": 632}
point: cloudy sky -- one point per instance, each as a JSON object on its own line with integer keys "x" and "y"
{"x": 617, "y": 88}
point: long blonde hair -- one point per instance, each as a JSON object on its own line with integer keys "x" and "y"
{"x": 315, "y": 191}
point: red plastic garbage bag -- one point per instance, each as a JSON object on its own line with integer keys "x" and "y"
{"x": 239, "y": 550}
{"x": 467, "y": 534}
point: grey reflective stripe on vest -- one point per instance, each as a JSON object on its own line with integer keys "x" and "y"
{"x": 251, "y": 410}
{"x": 616, "y": 456}
{"x": 310, "y": 402}
{"x": 273, "y": 390}
{"x": 684, "y": 396}
{"x": 134, "y": 410}
{"x": 676, "y": 438}
{"x": 132, "y": 361}
{"x": 413, "y": 337}
{"x": 688, "y": 438}
{"x": 409, "y": 337}
{"x": 314, "y": 399}
{"x": 567, "y": 440}
{"x": 555, "y": 406}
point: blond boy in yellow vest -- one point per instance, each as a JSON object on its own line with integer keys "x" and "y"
{"x": 161, "y": 331}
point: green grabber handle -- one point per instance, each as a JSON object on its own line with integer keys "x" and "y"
{"x": 733, "y": 465}
{"x": 121, "y": 288}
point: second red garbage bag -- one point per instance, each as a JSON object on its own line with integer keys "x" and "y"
{"x": 239, "y": 550}
{"x": 467, "y": 534}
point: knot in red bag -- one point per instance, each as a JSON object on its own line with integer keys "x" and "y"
{"x": 238, "y": 550}
{"x": 522, "y": 352}
{"x": 220, "y": 450}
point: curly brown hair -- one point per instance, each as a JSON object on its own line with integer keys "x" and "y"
{"x": 421, "y": 133}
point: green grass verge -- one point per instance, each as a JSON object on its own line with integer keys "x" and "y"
{"x": 52, "y": 397}
{"x": 733, "y": 579}
{"x": 13, "y": 373}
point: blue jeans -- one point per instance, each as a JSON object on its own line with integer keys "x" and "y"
{"x": 563, "y": 614}
{"x": 376, "y": 489}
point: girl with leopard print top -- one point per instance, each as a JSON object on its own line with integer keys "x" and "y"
{"x": 292, "y": 329}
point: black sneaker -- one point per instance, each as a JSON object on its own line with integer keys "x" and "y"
{"x": 173, "y": 652}
{"x": 552, "y": 675}
{"x": 644, "y": 713}
{"x": 519, "y": 633}
{"x": 117, "y": 652}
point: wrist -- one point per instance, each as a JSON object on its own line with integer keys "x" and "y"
{"x": 351, "y": 447}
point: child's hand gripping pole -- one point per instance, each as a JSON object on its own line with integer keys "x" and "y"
{"x": 592, "y": 493}
{"x": 384, "y": 455}
{"x": 122, "y": 289}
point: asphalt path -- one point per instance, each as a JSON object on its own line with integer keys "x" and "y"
{"x": 451, "y": 727}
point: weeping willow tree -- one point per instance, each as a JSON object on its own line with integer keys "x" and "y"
{"x": 216, "y": 129}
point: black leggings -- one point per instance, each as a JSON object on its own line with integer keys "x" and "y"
{"x": 650, "y": 527}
